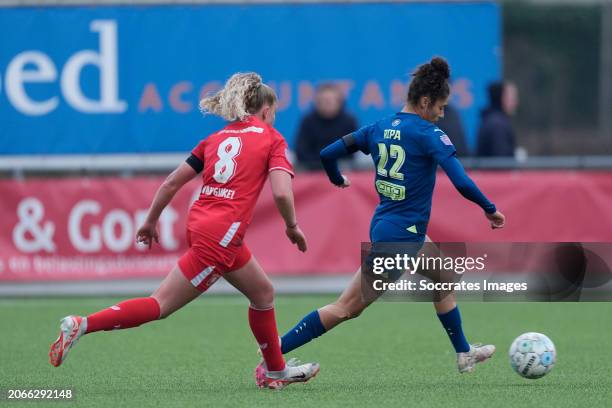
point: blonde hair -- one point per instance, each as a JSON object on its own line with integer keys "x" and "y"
{"x": 242, "y": 95}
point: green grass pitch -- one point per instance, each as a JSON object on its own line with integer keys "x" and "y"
{"x": 395, "y": 354}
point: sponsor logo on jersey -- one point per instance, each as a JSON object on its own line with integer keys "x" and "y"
{"x": 391, "y": 190}
{"x": 250, "y": 129}
{"x": 396, "y": 122}
{"x": 218, "y": 192}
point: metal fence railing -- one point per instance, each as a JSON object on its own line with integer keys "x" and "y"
{"x": 129, "y": 164}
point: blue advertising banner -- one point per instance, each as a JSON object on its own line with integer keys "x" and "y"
{"x": 127, "y": 79}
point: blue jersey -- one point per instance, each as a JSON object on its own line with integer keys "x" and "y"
{"x": 406, "y": 150}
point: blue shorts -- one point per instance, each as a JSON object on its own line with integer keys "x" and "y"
{"x": 383, "y": 230}
{"x": 389, "y": 239}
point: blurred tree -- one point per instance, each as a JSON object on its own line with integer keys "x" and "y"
{"x": 552, "y": 52}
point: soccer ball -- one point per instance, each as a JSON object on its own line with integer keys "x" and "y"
{"x": 532, "y": 355}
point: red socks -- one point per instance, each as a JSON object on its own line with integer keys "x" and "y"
{"x": 134, "y": 312}
{"x": 263, "y": 326}
{"x": 129, "y": 313}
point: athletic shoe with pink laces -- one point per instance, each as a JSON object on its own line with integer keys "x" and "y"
{"x": 293, "y": 372}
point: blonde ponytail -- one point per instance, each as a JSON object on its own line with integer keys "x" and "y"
{"x": 242, "y": 95}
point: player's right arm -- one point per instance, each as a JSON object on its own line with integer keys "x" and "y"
{"x": 342, "y": 147}
{"x": 186, "y": 171}
{"x": 329, "y": 158}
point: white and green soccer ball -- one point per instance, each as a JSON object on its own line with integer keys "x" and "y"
{"x": 532, "y": 355}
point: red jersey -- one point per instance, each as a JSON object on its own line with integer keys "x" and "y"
{"x": 236, "y": 162}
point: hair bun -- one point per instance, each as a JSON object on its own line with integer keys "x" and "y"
{"x": 440, "y": 66}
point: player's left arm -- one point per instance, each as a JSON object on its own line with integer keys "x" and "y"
{"x": 282, "y": 191}
{"x": 173, "y": 183}
{"x": 280, "y": 175}
{"x": 439, "y": 146}
{"x": 466, "y": 186}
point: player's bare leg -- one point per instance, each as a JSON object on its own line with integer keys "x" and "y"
{"x": 174, "y": 292}
{"x": 253, "y": 283}
{"x": 273, "y": 372}
{"x": 351, "y": 303}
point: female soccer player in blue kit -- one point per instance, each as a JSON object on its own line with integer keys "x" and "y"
{"x": 406, "y": 148}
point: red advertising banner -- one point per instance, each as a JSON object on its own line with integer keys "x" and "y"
{"x": 72, "y": 229}
{"x": 59, "y": 229}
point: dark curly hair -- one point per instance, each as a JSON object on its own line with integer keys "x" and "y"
{"x": 430, "y": 79}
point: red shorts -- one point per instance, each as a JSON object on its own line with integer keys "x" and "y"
{"x": 207, "y": 260}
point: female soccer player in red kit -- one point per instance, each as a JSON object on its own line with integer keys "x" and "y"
{"x": 234, "y": 163}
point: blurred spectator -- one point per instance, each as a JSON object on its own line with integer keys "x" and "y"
{"x": 496, "y": 134}
{"x": 327, "y": 122}
{"x": 451, "y": 125}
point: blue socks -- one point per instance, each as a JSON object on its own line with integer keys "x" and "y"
{"x": 310, "y": 327}
{"x": 451, "y": 322}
